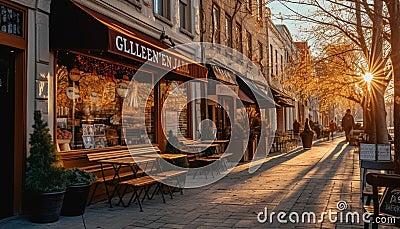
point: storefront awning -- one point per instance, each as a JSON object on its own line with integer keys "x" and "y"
{"x": 77, "y": 28}
{"x": 242, "y": 96}
{"x": 222, "y": 74}
{"x": 256, "y": 94}
{"x": 282, "y": 98}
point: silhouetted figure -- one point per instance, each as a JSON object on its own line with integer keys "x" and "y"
{"x": 296, "y": 127}
{"x": 332, "y": 128}
{"x": 347, "y": 124}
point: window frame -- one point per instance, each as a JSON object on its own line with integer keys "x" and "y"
{"x": 238, "y": 37}
{"x": 216, "y": 23}
{"x": 166, "y": 10}
{"x": 228, "y": 30}
{"x": 187, "y": 23}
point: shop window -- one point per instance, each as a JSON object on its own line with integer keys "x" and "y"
{"x": 175, "y": 110}
{"x": 163, "y": 8}
{"x": 185, "y": 15}
{"x": 90, "y": 96}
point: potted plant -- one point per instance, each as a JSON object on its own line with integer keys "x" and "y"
{"x": 173, "y": 147}
{"x": 78, "y": 186}
{"x": 307, "y": 135}
{"x": 44, "y": 181}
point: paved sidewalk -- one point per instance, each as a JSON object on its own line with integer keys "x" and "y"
{"x": 313, "y": 180}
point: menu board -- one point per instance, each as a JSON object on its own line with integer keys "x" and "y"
{"x": 391, "y": 202}
{"x": 384, "y": 152}
{"x": 367, "y": 152}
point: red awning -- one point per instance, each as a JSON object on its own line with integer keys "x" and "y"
{"x": 244, "y": 97}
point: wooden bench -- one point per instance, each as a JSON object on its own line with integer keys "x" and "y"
{"x": 378, "y": 180}
{"x": 144, "y": 183}
{"x": 116, "y": 176}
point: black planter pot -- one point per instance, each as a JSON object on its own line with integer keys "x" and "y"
{"x": 307, "y": 140}
{"x": 46, "y": 207}
{"x": 75, "y": 200}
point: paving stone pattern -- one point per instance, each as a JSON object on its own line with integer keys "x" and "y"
{"x": 297, "y": 181}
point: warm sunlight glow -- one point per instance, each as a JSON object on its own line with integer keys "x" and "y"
{"x": 368, "y": 77}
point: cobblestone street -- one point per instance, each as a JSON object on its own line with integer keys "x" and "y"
{"x": 313, "y": 180}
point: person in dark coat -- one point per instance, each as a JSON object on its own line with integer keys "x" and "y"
{"x": 332, "y": 128}
{"x": 347, "y": 124}
{"x": 296, "y": 127}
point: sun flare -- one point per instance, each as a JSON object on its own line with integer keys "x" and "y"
{"x": 368, "y": 77}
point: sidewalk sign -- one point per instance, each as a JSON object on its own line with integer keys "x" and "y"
{"x": 367, "y": 152}
{"x": 384, "y": 152}
{"x": 391, "y": 202}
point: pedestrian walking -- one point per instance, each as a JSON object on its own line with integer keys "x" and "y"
{"x": 296, "y": 127}
{"x": 332, "y": 128}
{"x": 347, "y": 124}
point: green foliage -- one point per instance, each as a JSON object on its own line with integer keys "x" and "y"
{"x": 41, "y": 174}
{"x": 171, "y": 147}
{"x": 78, "y": 176}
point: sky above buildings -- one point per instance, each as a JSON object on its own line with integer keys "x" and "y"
{"x": 282, "y": 13}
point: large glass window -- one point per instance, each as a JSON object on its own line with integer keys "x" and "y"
{"x": 175, "y": 110}
{"x": 90, "y": 97}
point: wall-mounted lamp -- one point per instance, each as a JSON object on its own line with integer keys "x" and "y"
{"x": 164, "y": 36}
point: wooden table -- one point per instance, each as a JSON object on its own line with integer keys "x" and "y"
{"x": 220, "y": 142}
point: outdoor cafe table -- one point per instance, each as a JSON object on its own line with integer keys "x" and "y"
{"x": 199, "y": 148}
{"x": 221, "y": 144}
{"x": 132, "y": 163}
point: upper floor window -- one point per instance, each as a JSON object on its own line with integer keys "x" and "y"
{"x": 185, "y": 15}
{"x": 216, "y": 24}
{"x": 260, "y": 51}
{"x": 238, "y": 37}
{"x": 248, "y": 5}
{"x": 249, "y": 45}
{"x": 228, "y": 30}
{"x": 163, "y": 8}
{"x": 271, "y": 59}
{"x": 259, "y": 9}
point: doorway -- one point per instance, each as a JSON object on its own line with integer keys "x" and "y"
{"x": 7, "y": 116}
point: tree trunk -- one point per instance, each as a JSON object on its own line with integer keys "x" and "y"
{"x": 380, "y": 115}
{"x": 394, "y": 19}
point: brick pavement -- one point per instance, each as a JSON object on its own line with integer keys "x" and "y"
{"x": 313, "y": 180}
